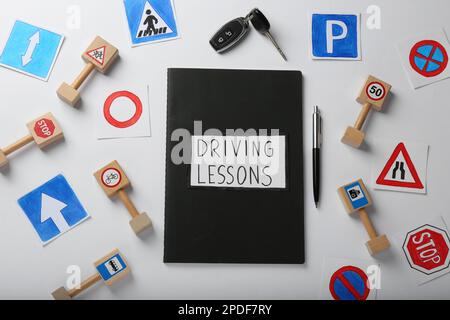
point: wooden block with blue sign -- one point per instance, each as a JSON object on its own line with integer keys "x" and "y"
{"x": 114, "y": 181}
{"x": 355, "y": 197}
{"x": 111, "y": 268}
{"x": 99, "y": 55}
{"x": 43, "y": 131}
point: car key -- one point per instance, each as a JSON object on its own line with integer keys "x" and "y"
{"x": 230, "y": 34}
{"x": 260, "y": 23}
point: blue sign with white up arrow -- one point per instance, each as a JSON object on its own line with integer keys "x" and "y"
{"x": 53, "y": 208}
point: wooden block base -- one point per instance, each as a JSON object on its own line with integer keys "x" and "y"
{"x": 353, "y": 137}
{"x": 68, "y": 94}
{"x": 140, "y": 223}
{"x": 3, "y": 159}
{"x": 378, "y": 244}
{"x": 61, "y": 294}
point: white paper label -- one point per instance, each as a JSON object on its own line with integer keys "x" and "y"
{"x": 239, "y": 162}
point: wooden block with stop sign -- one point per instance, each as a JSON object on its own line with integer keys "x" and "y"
{"x": 111, "y": 268}
{"x": 356, "y": 198}
{"x": 372, "y": 96}
{"x": 99, "y": 55}
{"x": 114, "y": 181}
{"x": 44, "y": 131}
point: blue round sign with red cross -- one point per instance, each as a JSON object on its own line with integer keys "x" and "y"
{"x": 428, "y": 58}
{"x": 349, "y": 283}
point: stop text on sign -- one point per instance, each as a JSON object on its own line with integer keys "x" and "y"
{"x": 427, "y": 249}
{"x": 44, "y": 128}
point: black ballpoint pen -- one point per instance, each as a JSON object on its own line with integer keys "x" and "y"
{"x": 317, "y": 143}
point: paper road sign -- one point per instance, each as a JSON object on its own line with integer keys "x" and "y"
{"x": 150, "y": 20}
{"x": 400, "y": 171}
{"x": 31, "y": 50}
{"x": 53, "y": 209}
{"x": 349, "y": 283}
{"x": 131, "y": 121}
{"x": 428, "y": 58}
{"x": 427, "y": 249}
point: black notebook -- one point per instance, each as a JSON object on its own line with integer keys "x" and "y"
{"x": 234, "y": 167}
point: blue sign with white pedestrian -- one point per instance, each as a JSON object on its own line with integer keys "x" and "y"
{"x": 335, "y": 36}
{"x": 151, "y": 21}
{"x": 356, "y": 195}
{"x": 31, "y": 50}
{"x": 53, "y": 209}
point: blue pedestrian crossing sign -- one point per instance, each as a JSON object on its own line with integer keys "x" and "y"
{"x": 150, "y": 21}
{"x": 53, "y": 209}
{"x": 335, "y": 36}
{"x": 31, "y": 50}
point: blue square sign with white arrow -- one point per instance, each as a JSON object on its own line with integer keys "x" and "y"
{"x": 53, "y": 209}
{"x": 31, "y": 50}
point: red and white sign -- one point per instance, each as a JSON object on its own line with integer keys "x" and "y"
{"x": 375, "y": 91}
{"x": 400, "y": 166}
{"x": 427, "y": 249}
{"x": 125, "y": 114}
{"x": 129, "y": 122}
{"x": 111, "y": 177}
{"x": 425, "y": 58}
{"x": 98, "y": 54}
{"x": 44, "y": 128}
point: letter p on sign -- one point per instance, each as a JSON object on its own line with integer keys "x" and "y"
{"x": 335, "y": 36}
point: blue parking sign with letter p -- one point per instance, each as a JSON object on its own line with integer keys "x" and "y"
{"x": 335, "y": 36}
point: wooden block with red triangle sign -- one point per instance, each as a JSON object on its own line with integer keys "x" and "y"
{"x": 99, "y": 55}
{"x": 400, "y": 166}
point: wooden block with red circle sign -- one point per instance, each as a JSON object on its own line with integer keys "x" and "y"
{"x": 112, "y": 178}
{"x": 45, "y": 130}
{"x": 113, "y": 181}
{"x": 374, "y": 92}
{"x": 101, "y": 54}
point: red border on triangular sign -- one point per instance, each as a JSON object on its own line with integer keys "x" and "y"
{"x": 104, "y": 54}
{"x": 417, "y": 184}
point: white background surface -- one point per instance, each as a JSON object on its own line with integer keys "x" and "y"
{"x": 30, "y": 271}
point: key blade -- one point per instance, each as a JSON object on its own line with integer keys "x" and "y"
{"x": 276, "y": 45}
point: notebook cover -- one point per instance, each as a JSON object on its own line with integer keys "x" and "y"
{"x": 218, "y": 225}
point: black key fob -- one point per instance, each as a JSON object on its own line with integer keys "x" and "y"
{"x": 230, "y": 34}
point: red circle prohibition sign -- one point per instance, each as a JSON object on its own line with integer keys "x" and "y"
{"x": 370, "y": 95}
{"x": 340, "y": 275}
{"x": 436, "y": 47}
{"x": 122, "y": 124}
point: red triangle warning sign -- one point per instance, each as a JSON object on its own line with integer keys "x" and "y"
{"x": 98, "y": 54}
{"x": 395, "y": 173}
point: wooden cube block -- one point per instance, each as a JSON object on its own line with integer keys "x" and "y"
{"x": 112, "y": 178}
{"x": 354, "y": 196}
{"x": 353, "y": 137}
{"x": 45, "y": 130}
{"x": 140, "y": 223}
{"x": 101, "y": 54}
{"x": 374, "y": 92}
{"x": 3, "y": 159}
{"x": 112, "y": 267}
{"x": 68, "y": 94}
{"x": 378, "y": 244}
{"x": 61, "y": 294}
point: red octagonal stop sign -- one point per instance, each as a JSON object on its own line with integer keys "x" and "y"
{"x": 427, "y": 249}
{"x": 44, "y": 128}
